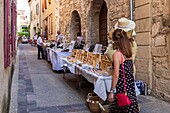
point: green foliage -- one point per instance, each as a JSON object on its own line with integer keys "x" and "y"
{"x": 23, "y": 33}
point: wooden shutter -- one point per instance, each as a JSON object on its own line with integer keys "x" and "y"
{"x": 13, "y": 28}
{"x": 43, "y": 5}
{"x": 103, "y": 25}
{"x": 49, "y": 1}
{"x": 6, "y": 34}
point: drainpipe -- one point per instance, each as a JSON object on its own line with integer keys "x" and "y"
{"x": 131, "y": 9}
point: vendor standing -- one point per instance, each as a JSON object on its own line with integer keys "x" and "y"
{"x": 39, "y": 46}
{"x": 59, "y": 38}
{"x": 79, "y": 41}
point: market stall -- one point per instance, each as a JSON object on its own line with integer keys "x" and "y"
{"x": 84, "y": 63}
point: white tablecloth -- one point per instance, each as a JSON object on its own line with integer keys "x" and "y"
{"x": 102, "y": 84}
{"x": 55, "y": 58}
{"x": 69, "y": 65}
{"x": 48, "y": 49}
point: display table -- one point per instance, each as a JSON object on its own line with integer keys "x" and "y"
{"x": 102, "y": 84}
{"x": 48, "y": 49}
{"x": 55, "y": 58}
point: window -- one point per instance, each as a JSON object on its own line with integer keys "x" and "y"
{"x": 43, "y": 5}
{"x": 37, "y": 9}
{"x": 51, "y": 24}
{"x": 49, "y": 1}
{"x": 31, "y": 16}
{"x": 45, "y": 1}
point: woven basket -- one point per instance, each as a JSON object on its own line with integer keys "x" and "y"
{"x": 105, "y": 108}
{"x": 93, "y": 103}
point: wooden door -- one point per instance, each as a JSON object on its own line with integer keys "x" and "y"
{"x": 103, "y": 25}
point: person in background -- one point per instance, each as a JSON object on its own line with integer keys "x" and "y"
{"x": 80, "y": 43}
{"x": 35, "y": 36}
{"x": 35, "y": 39}
{"x": 39, "y": 46}
{"x": 59, "y": 38}
{"x": 79, "y": 38}
{"x": 123, "y": 63}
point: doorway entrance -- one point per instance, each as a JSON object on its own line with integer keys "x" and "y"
{"x": 75, "y": 26}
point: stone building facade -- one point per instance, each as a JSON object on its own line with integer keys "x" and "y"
{"x": 95, "y": 18}
{"x": 35, "y": 17}
{"x": 7, "y": 50}
{"x": 50, "y": 18}
{"x": 83, "y": 16}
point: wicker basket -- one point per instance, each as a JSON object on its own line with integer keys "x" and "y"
{"x": 106, "y": 110}
{"x": 93, "y": 103}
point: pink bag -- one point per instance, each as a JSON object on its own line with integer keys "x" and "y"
{"x": 122, "y": 98}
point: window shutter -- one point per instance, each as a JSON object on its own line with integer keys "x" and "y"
{"x": 6, "y": 34}
{"x": 49, "y": 1}
{"x": 43, "y": 5}
{"x": 13, "y": 38}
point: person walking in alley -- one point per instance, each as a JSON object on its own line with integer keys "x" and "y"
{"x": 39, "y": 46}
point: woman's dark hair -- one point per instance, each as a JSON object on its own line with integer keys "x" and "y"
{"x": 122, "y": 42}
{"x": 79, "y": 34}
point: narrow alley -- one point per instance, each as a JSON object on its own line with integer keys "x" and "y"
{"x": 38, "y": 89}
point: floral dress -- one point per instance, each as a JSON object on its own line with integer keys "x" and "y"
{"x": 130, "y": 88}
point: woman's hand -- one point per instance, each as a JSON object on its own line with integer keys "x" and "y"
{"x": 111, "y": 97}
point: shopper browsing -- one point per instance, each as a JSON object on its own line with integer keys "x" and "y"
{"x": 122, "y": 78}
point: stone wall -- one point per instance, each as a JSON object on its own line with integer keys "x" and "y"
{"x": 160, "y": 44}
{"x": 88, "y": 11}
{"x": 5, "y": 73}
{"x": 143, "y": 38}
{"x": 153, "y": 57}
{"x": 52, "y": 10}
{"x": 35, "y": 23}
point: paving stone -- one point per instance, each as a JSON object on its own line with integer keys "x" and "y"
{"x": 38, "y": 112}
{"x": 21, "y": 93}
{"x": 52, "y": 109}
{"x": 31, "y": 102}
{"x": 22, "y": 103}
{"x": 31, "y": 107}
{"x": 30, "y": 97}
{"x": 22, "y": 99}
{"x": 22, "y": 109}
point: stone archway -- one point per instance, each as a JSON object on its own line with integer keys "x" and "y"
{"x": 94, "y": 23}
{"x": 75, "y": 25}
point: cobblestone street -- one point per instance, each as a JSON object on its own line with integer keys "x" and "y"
{"x": 38, "y": 89}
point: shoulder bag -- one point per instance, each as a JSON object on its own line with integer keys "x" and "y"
{"x": 122, "y": 98}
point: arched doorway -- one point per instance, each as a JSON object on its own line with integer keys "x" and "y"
{"x": 103, "y": 25}
{"x": 97, "y": 23}
{"x": 75, "y": 25}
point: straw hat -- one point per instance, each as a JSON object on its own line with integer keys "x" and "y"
{"x": 125, "y": 24}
